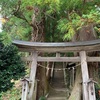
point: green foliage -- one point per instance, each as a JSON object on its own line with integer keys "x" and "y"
{"x": 12, "y": 94}
{"x": 97, "y": 29}
{"x": 70, "y": 4}
{"x": 18, "y": 20}
{"x": 97, "y": 91}
{"x": 11, "y": 67}
{"x": 62, "y": 18}
{"x": 71, "y": 25}
{"x": 42, "y": 98}
{"x": 15, "y": 29}
{"x": 68, "y": 28}
{"x": 8, "y": 6}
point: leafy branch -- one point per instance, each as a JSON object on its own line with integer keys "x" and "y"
{"x": 19, "y": 14}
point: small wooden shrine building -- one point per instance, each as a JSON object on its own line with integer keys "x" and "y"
{"x": 80, "y": 47}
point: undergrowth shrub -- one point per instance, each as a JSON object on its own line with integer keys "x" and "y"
{"x": 11, "y": 66}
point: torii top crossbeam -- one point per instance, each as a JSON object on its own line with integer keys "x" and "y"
{"x": 26, "y": 46}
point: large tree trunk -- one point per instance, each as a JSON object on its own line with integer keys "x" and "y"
{"x": 38, "y": 36}
{"x": 85, "y": 33}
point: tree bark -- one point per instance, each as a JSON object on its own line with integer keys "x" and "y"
{"x": 38, "y": 35}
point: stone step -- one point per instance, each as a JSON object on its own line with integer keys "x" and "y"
{"x": 57, "y": 89}
{"x": 57, "y": 93}
{"x": 58, "y": 86}
{"x": 56, "y": 98}
{"x": 61, "y": 89}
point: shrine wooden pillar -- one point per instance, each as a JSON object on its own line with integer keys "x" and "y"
{"x": 25, "y": 88}
{"x": 32, "y": 75}
{"x": 88, "y": 86}
{"x": 85, "y": 75}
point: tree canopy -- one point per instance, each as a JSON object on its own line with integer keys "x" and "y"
{"x": 62, "y": 19}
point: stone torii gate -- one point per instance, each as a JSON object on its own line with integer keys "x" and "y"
{"x": 81, "y": 47}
